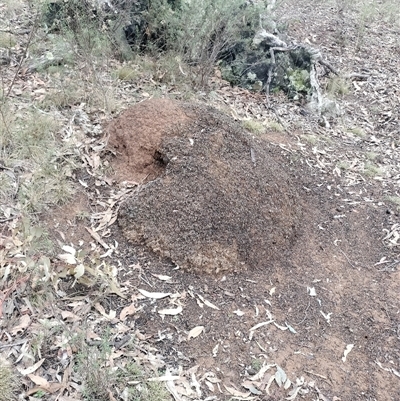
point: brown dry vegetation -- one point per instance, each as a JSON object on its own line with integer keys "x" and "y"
{"x": 86, "y": 314}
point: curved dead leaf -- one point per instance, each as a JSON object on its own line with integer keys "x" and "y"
{"x": 237, "y": 393}
{"x": 257, "y": 326}
{"x": 32, "y": 368}
{"x": 67, "y": 258}
{"x": 176, "y": 311}
{"x": 195, "y": 332}
{"x": 24, "y": 322}
{"x": 208, "y": 303}
{"x": 154, "y": 295}
{"x": 79, "y": 271}
{"x": 127, "y": 311}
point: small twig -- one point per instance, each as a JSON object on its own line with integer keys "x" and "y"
{"x": 355, "y": 75}
{"x": 30, "y": 37}
{"x": 13, "y": 344}
{"x": 386, "y": 268}
{"x": 305, "y": 315}
{"x": 316, "y": 374}
{"x": 351, "y": 264}
{"x": 10, "y": 290}
{"x": 328, "y": 66}
{"x": 270, "y": 71}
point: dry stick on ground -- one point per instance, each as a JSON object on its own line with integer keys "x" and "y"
{"x": 30, "y": 37}
{"x": 19, "y": 67}
{"x": 271, "y": 69}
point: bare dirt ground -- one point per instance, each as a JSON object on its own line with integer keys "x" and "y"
{"x": 322, "y": 322}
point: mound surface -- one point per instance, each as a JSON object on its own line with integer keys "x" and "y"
{"x": 214, "y": 198}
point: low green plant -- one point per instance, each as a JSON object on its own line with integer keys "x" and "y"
{"x": 343, "y": 165}
{"x": 254, "y": 126}
{"x": 256, "y": 364}
{"x": 150, "y": 391}
{"x": 357, "y": 131}
{"x": 36, "y": 164}
{"x": 274, "y": 126}
{"x": 372, "y": 170}
{"x": 7, "y": 382}
{"x": 371, "y": 155}
{"x": 310, "y": 138}
{"x": 91, "y": 365}
{"x": 201, "y": 32}
{"x": 7, "y": 40}
{"x": 127, "y": 73}
{"x": 144, "y": 390}
{"x": 338, "y": 86}
{"x": 393, "y": 199}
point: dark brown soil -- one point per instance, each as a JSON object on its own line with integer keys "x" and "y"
{"x": 293, "y": 229}
{"x": 224, "y": 203}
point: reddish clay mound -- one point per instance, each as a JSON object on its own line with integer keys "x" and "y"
{"x": 136, "y": 135}
{"x": 223, "y": 202}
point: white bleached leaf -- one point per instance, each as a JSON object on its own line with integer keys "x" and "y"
{"x": 283, "y": 328}
{"x": 381, "y": 366}
{"x": 311, "y": 291}
{"x": 238, "y": 312}
{"x": 257, "y": 326}
{"x": 175, "y": 311}
{"x": 280, "y": 376}
{"x": 166, "y": 377}
{"x": 154, "y": 295}
{"x": 195, "y": 332}
{"x": 291, "y": 329}
{"x": 208, "y": 303}
{"x": 209, "y": 385}
{"x": 327, "y": 316}
{"x": 293, "y": 394}
{"x": 287, "y": 384}
{"x": 272, "y": 291}
{"x": 69, "y": 249}
{"x": 83, "y": 183}
{"x": 250, "y": 386}
{"x": 215, "y": 351}
{"x": 270, "y": 381}
{"x": 67, "y": 258}
{"x": 32, "y": 368}
{"x": 349, "y": 347}
{"x": 79, "y": 271}
{"x": 162, "y": 277}
{"x": 261, "y": 372}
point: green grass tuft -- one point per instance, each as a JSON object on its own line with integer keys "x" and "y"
{"x": 7, "y": 381}
{"x": 254, "y": 126}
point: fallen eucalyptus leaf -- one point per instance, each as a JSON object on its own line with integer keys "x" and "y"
{"x": 171, "y": 311}
{"x": 311, "y": 291}
{"x": 154, "y": 295}
{"x": 32, "y": 368}
{"x": 195, "y": 332}
{"x": 349, "y": 347}
{"x": 236, "y": 393}
{"x": 257, "y": 326}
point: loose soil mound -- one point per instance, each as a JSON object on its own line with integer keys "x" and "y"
{"x": 223, "y": 201}
{"x": 137, "y": 134}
